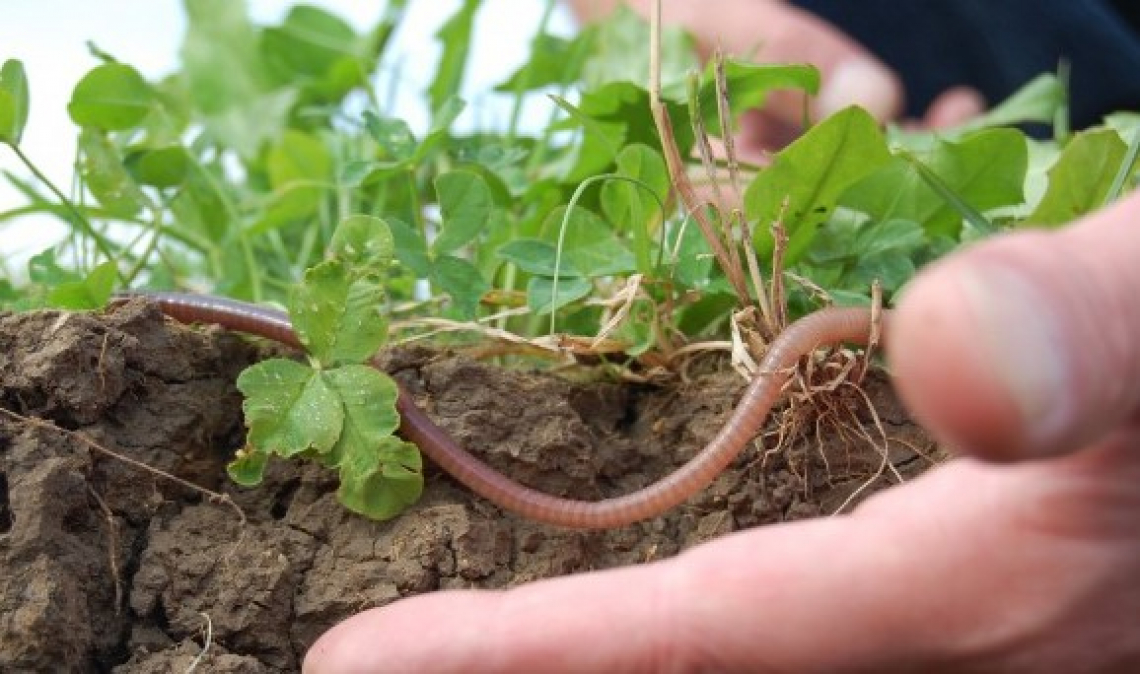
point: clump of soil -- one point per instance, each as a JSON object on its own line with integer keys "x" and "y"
{"x": 106, "y": 567}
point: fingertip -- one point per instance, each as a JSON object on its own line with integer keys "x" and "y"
{"x": 1024, "y": 346}
{"x": 390, "y": 638}
{"x": 954, "y": 107}
{"x": 938, "y": 373}
{"x": 863, "y": 81}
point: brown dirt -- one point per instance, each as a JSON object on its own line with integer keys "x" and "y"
{"x": 104, "y": 567}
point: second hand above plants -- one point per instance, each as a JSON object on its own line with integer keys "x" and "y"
{"x": 593, "y": 227}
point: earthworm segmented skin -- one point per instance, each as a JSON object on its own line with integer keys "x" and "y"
{"x": 827, "y": 326}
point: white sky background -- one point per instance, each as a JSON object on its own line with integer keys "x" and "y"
{"x": 50, "y": 37}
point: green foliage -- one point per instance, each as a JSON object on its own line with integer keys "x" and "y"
{"x": 13, "y": 102}
{"x": 802, "y": 187}
{"x": 336, "y": 410}
{"x": 111, "y": 97}
{"x": 750, "y": 84}
{"x": 1082, "y": 179}
{"x": 267, "y": 167}
{"x": 455, "y": 36}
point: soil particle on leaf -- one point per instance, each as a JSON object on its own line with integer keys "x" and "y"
{"x": 105, "y": 567}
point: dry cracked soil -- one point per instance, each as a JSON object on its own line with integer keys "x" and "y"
{"x": 107, "y": 566}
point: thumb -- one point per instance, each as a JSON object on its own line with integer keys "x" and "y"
{"x": 1027, "y": 345}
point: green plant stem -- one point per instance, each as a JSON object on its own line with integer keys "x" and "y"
{"x": 256, "y": 290}
{"x": 81, "y": 221}
{"x": 152, "y": 246}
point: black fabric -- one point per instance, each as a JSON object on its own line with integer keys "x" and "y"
{"x": 998, "y": 45}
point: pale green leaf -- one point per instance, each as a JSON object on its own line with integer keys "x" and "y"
{"x": 92, "y": 292}
{"x": 248, "y": 467}
{"x": 289, "y": 408}
{"x": 466, "y": 203}
{"x": 111, "y": 97}
{"x": 338, "y": 319}
{"x": 750, "y": 84}
{"x": 545, "y": 295}
{"x": 106, "y": 177}
{"x": 299, "y": 169}
{"x": 537, "y": 257}
{"x": 14, "y": 101}
{"x": 392, "y": 482}
{"x": 455, "y": 38}
{"x": 985, "y": 170}
{"x": 1081, "y": 179}
{"x": 462, "y": 281}
{"x": 809, "y": 176}
{"x": 365, "y": 242}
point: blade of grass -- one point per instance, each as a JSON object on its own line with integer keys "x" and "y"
{"x": 1127, "y": 168}
{"x": 968, "y": 212}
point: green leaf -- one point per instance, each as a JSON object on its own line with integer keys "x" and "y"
{"x": 309, "y": 43}
{"x": 636, "y": 205}
{"x": 220, "y": 56}
{"x": 289, "y": 408}
{"x": 200, "y": 205}
{"x": 460, "y": 279}
{"x": 455, "y": 37}
{"x": 892, "y": 236}
{"x": 370, "y": 416}
{"x": 248, "y": 467}
{"x": 106, "y": 177}
{"x": 338, "y": 319}
{"x": 589, "y": 247}
{"x": 553, "y": 60}
{"x": 544, "y": 297}
{"x": 161, "y": 167}
{"x": 693, "y": 259}
{"x": 14, "y": 101}
{"x": 365, "y": 242}
{"x": 466, "y": 203}
{"x": 111, "y": 97}
{"x": 750, "y": 84}
{"x": 411, "y": 248}
{"x": 616, "y": 115}
{"x": 985, "y": 170}
{"x": 1037, "y": 101}
{"x": 90, "y": 293}
{"x": 620, "y": 52}
{"x": 810, "y": 175}
{"x": 600, "y": 143}
{"x": 606, "y": 257}
{"x": 583, "y": 227}
{"x": 627, "y": 204}
{"x": 387, "y": 487}
{"x": 369, "y": 398}
{"x": 393, "y": 136}
{"x": 299, "y": 168}
{"x": 392, "y": 139}
{"x": 537, "y": 257}
{"x": 43, "y": 268}
{"x": 1081, "y": 179}
{"x": 227, "y": 79}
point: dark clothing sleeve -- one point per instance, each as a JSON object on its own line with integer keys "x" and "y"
{"x": 998, "y": 45}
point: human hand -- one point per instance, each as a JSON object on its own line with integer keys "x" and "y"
{"x": 776, "y": 32}
{"x": 1021, "y": 350}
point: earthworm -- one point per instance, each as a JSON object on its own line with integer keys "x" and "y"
{"x": 826, "y": 326}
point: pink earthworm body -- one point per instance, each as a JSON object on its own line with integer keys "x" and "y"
{"x": 827, "y": 326}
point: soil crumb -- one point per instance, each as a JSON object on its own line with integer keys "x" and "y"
{"x": 105, "y": 567}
